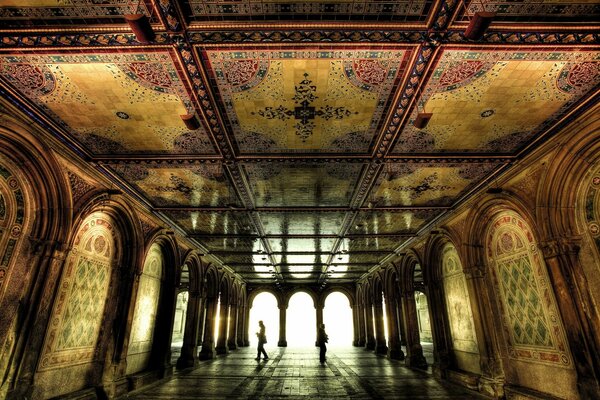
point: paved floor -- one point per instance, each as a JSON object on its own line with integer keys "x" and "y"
{"x": 349, "y": 373}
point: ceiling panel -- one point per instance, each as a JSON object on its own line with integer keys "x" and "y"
{"x": 381, "y": 243}
{"x": 243, "y": 10}
{"x": 308, "y": 100}
{"x": 212, "y": 223}
{"x": 506, "y": 97}
{"x": 111, "y": 103}
{"x": 234, "y": 244}
{"x": 291, "y": 258}
{"x": 392, "y": 222}
{"x": 307, "y": 184}
{"x": 427, "y": 184}
{"x": 302, "y": 223}
{"x": 302, "y": 244}
{"x": 203, "y": 185}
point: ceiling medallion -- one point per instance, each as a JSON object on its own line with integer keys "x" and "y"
{"x": 303, "y": 112}
{"x": 122, "y": 115}
{"x": 487, "y": 113}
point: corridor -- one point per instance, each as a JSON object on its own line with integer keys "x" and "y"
{"x": 291, "y": 373}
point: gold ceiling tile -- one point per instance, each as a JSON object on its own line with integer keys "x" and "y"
{"x": 212, "y": 223}
{"x": 496, "y": 102}
{"x": 311, "y": 100}
{"x": 121, "y": 103}
{"x": 391, "y": 222}
{"x": 381, "y": 243}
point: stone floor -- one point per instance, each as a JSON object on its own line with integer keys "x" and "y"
{"x": 349, "y": 373}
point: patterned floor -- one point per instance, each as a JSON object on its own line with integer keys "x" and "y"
{"x": 349, "y": 373}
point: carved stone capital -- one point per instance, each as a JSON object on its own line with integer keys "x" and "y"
{"x": 561, "y": 246}
{"x": 475, "y": 272}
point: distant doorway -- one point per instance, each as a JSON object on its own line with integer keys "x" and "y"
{"x": 264, "y": 308}
{"x": 337, "y": 317}
{"x": 301, "y": 321}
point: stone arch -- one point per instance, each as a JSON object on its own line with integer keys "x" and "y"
{"x": 262, "y": 289}
{"x": 306, "y": 290}
{"x": 529, "y": 327}
{"x": 338, "y": 288}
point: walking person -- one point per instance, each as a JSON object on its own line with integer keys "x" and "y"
{"x": 262, "y": 339}
{"x": 322, "y": 338}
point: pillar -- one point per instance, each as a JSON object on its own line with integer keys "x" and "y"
{"x": 439, "y": 328}
{"x": 233, "y": 327}
{"x": 319, "y": 310}
{"x": 223, "y": 317}
{"x": 369, "y": 333}
{"x": 577, "y": 311}
{"x": 282, "y": 326}
{"x": 208, "y": 342}
{"x": 355, "y": 325}
{"x": 394, "y": 349}
{"x": 360, "y": 321}
{"x": 188, "y": 357}
{"x": 241, "y": 326}
{"x": 246, "y": 327}
{"x": 414, "y": 351}
{"x": 380, "y": 342}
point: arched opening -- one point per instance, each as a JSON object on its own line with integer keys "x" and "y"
{"x": 264, "y": 308}
{"x": 423, "y": 321}
{"x": 337, "y": 317}
{"x": 180, "y": 312}
{"x": 301, "y": 321}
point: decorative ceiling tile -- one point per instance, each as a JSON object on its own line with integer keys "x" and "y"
{"x": 25, "y": 13}
{"x": 305, "y": 101}
{"x": 204, "y": 185}
{"x": 302, "y": 223}
{"x": 359, "y": 258}
{"x": 233, "y": 244}
{"x": 380, "y": 243}
{"x": 303, "y": 183}
{"x": 240, "y": 10}
{"x": 212, "y": 223}
{"x": 299, "y": 245}
{"x": 112, "y": 103}
{"x": 290, "y": 258}
{"x": 392, "y": 222}
{"x": 427, "y": 184}
{"x": 536, "y": 10}
{"x": 497, "y": 101}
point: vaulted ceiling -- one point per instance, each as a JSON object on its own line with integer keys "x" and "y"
{"x": 306, "y": 167}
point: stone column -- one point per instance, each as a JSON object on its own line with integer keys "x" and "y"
{"x": 241, "y": 325}
{"x": 414, "y": 351}
{"x": 246, "y": 327}
{"x": 188, "y": 357}
{"x": 380, "y": 342}
{"x": 492, "y": 378}
{"x": 578, "y": 312}
{"x": 394, "y": 349}
{"x": 355, "y": 325}
{"x": 208, "y": 343}
{"x": 319, "y": 310}
{"x": 369, "y": 333}
{"x": 233, "y": 327}
{"x": 360, "y": 322}
{"x": 223, "y": 317}
{"x": 282, "y": 326}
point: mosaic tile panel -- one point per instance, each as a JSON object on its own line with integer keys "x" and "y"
{"x": 391, "y": 222}
{"x": 300, "y": 245}
{"x": 12, "y": 216}
{"x": 217, "y": 10}
{"x": 24, "y": 13}
{"x": 144, "y": 314}
{"x": 308, "y": 101}
{"x": 204, "y": 185}
{"x": 508, "y": 98}
{"x": 213, "y": 223}
{"x": 532, "y": 324}
{"x": 537, "y": 10}
{"x": 103, "y": 100}
{"x": 78, "y": 312}
{"x": 303, "y": 183}
{"x": 430, "y": 184}
{"x": 302, "y": 223}
{"x": 458, "y": 303}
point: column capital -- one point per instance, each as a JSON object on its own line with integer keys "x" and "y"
{"x": 561, "y": 246}
{"x": 475, "y": 272}
{"x": 282, "y": 306}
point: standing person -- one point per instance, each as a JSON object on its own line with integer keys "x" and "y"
{"x": 322, "y": 338}
{"x": 262, "y": 339}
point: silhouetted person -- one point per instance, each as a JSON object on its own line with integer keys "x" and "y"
{"x": 322, "y": 338}
{"x": 262, "y": 339}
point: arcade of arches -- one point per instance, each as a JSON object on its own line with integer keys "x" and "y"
{"x": 133, "y": 245}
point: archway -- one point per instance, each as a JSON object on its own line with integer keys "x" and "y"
{"x": 301, "y": 321}
{"x": 337, "y": 316}
{"x": 181, "y": 305}
{"x": 264, "y": 308}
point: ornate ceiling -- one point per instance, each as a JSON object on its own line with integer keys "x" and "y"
{"x": 307, "y": 167}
